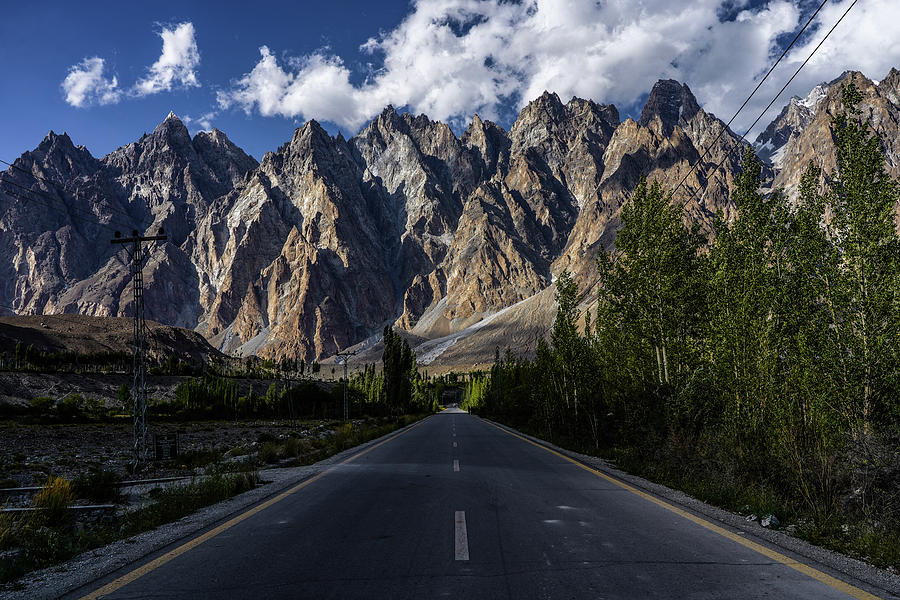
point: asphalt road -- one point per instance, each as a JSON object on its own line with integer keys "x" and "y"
{"x": 455, "y": 507}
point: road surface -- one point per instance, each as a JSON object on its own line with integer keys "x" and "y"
{"x": 456, "y": 507}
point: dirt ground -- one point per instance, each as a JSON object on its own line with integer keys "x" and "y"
{"x": 29, "y": 453}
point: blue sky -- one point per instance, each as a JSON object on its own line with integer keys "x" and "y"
{"x": 107, "y": 72}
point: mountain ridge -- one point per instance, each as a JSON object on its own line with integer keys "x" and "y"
{"x": 326, "y": 240}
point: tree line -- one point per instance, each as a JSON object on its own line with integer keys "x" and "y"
{"x": 764, "y": 358}
{"x": 399, "y": 388}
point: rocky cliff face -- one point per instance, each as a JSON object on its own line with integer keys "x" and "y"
{"x": 326, "y": 240}
{"x": 814, "y": 142}
{"x": 790, "y": 123}
{"x": 55, "y": 236}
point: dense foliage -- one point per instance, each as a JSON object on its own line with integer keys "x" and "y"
{"x": 400, "y": 388}
{"x": 764, "y": 363}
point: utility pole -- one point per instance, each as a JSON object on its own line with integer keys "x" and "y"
{"x": 287, "y": 390}
{"x": 134, "y": 247}
{"x": 346, "y": 356}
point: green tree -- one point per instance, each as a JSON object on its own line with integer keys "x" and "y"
{"x": 652, "y": 280}
{"x": 742, "y": 327}
{"x": 862, "y": 197}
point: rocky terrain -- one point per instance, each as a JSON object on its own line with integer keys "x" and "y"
{"x": 454, "y": 239}
{"x": 83, "y": 334}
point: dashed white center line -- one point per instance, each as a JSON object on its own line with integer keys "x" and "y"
{"x": 454, "y": 444}
{"x": 462, "y": 539}
{"x": 456, "y": 466}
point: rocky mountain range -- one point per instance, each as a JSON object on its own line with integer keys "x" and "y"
{"x": 326, "y": 240}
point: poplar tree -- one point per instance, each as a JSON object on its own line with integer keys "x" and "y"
{"x": 653, "y": 284}
{"x": 862, "y": 198}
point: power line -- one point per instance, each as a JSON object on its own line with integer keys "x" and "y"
{"x": 781, "y": 91}
{"x": 744, "y": 104}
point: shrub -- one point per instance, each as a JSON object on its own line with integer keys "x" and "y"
{"x": 54, "y": 500}
{"x": 6, "y": 531}
{"x": 43, "y": 546}
{"x": 291, "y": 447}
{"x": 42, "y": 404}
{"x": 69, "y": 408}
{"x": 265, "y": 437}
{"x": 98, "y": 485}
{"x": 199, "y": 458}
{"x": 175, "y": 502}
{"x": 270, "y": 452}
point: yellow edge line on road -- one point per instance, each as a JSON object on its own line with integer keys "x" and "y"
{"x": 124, "y": 580}
{"x": 833, "y": 582}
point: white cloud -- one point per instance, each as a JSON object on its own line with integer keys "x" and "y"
{"x": 204, "y": 121}
{"x": 320, "y": 88}
{"x": 175, "y": 66}
{"x": 85, "y": 84}
{"x": 451, "y": 58}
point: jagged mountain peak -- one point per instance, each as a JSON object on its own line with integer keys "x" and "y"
{"x": 547, "y": 105}
{"x": 226, "y": 160}
{"x": 796, "y": 116}
{"x": 216, "y": 135}
{"x": 172, "y": 129}
{"x": 390, "y": 121}
{"x": 57, "y": 152}
{"x": 488, "y": 139}
{"x": 890, "y": 86}
{"x": 329, "y": 239}
{"x": 671, "y": 102}
{"x": 387, "y": 118}
{"x": 814, "y": 141}
{"x": 52, "y": 138}
{"x": 482, "y": 125}
{"x": 309, "y": 135}
{"x": 310, "y": 147}
{"x": 607, "y": 112}
{"x": 892, "y": 77}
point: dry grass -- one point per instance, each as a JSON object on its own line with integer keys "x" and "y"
{"x": 54, "y": 499}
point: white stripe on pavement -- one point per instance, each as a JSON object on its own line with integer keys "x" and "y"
{"x": 462, "y": 540}
{"x": 455, "y": 465}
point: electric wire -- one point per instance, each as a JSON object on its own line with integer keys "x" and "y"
{"x": 774, "y": 99}
{"x": 750, "y": 97}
